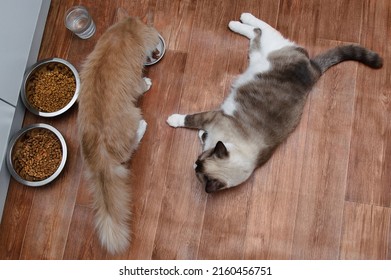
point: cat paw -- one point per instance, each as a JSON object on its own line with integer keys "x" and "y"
{"x": 148, "y": 83}
{"x": 242, "y": 29}
{"x": 142, "y": 127}
{"x": 247, "y": 18}
{"x": 176, "y": 120}
{"x": 234, "y": 25}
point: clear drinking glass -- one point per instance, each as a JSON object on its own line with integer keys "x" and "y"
{"x": 80, "y": 22}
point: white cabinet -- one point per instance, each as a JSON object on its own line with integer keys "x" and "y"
{"x": 22, "y": 24}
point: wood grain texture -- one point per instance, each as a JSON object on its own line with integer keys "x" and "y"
{"x": 365, "y": 232}
{"x": 369, "y": 164}
{"x": 325, "y": 193}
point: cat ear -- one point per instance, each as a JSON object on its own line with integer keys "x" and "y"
{"x": 213, "y": 185}
{"x": 121, "y": 14}
{"x": 220, "y": 150}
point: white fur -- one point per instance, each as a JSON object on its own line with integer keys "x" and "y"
{"x": 243, "y": 29}
{"x": 176, "y": 120}
{"x": 229, "y": 105}
{"x": 272, "y": 38}
{"x": 258, "y": 64}
{"x": 142, "y": 127}
{"x": 258, "y": 60}
{"x": 148, "y": 83}
{"x": 242, "y": 159}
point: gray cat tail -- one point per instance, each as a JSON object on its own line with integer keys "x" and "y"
{"x": 349, "y": 52}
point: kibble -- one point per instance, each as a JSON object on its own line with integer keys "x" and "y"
{"x": 37, "y": 154}
{"x": 51, "y": 87}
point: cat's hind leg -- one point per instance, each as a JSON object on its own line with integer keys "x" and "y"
{"x": 242, "y": 29}
{"x": 251, "y": 20}
{"x": 257, "y": 58}
{"x": 142, "y": 127}
{"x": 271, "y": 38}
{"x": 255, "y": 42}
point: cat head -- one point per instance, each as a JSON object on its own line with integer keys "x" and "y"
{"x": 221, "y": 168}
{"x": 135, "y": 25}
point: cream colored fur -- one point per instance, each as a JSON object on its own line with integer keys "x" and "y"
{"x": 110, "y": 125}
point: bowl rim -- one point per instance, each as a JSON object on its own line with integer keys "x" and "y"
{"x": 162, "y": 54}
{"x": 10, "y": 148}
{"x": 32, "y": 69}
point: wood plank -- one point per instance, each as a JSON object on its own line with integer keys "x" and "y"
{"x": 177, "y": 28}
{"x": 13, "y": 224}
{"x": 185, "y": 210}
{"x": 273, "y": 201}
{"x": 149, "y": 164}
{"x": 323, "y": 177}
{"x": 340, "y": 20}
{"x": 52, "y": 206}
{"x": 61, "y": 34}
{"x": 365, "y": 232}
{"x": 298, "y": 21}
{"x": 292, "y": 208}
{"x": 82, "y": 242}
{"x": 229, "y": 238}
{"x": 369, "y": 168}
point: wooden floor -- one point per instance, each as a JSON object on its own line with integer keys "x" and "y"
{"x": 326, "y": 192}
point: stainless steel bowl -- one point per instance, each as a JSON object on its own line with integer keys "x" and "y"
{"x": 11, "y": 146}
{"x": 162, "y": 49}
{"x": 31, "y": 71}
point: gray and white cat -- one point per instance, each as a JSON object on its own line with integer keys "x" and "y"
{"x": 264, "y": 106}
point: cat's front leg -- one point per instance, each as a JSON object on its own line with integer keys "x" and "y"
{"x": 147, "y": 84}
{"x": 176, "y": 120}
{"x": 196, "y": 121}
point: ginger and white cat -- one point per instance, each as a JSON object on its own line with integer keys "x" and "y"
{"x": 111, "y": 126}
{"x": 264, "y": 106}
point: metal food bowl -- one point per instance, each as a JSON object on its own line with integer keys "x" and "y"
{"x": 13, "y": 144}
{"x": 29, "y": 76}
{"x": 161, "y": 47}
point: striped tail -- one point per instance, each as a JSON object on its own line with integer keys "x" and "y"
{"x": 348, "y": 52}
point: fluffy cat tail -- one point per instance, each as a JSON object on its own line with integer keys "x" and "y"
{"x": 348, "y": 52}
{"x": 111, "y": 201}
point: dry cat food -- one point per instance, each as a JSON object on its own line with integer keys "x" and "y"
{"x": 51, "y": 87}
{"x": 37, "y": 154}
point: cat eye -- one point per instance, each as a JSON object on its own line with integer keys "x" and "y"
{"x": 204, "y": 136}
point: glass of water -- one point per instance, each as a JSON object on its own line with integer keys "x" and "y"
{"x": 80, "y": 22}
